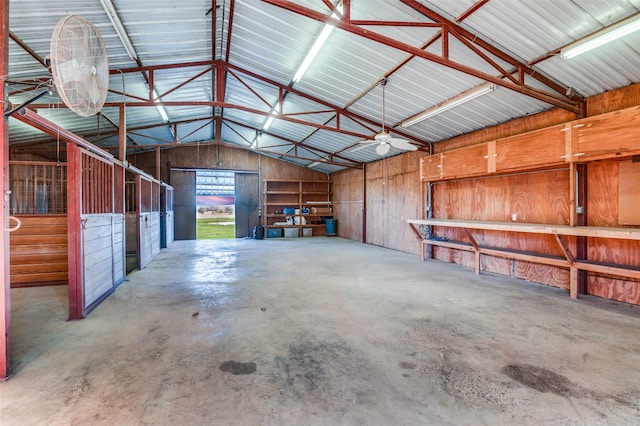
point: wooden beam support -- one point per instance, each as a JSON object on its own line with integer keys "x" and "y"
{"x": 477, "y": 249}
{"x": 74, "y": 231}
{"x": 5, "y": 304}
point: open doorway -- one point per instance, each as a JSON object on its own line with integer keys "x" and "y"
{"x": 221, "y": 203}
{"x": 215, "y": 204}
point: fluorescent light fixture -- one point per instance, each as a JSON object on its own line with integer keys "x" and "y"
{"x": 451, "y": 103}
{"x": 315, "y": 49}
{"x": 317, "y": 45}
{"x": 268, "y": 122}
{"x": 272, "y": 117}
{"x": 161, "y": 110}
{"x": 604, "y": 36}
{"x": 311, "y": 55}
{"x": 110, "y": 9}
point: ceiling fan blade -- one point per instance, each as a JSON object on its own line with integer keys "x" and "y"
{"x": 368, "y": 141}
{"x": 402, "y": 144}
{"x": 383, "y": 148}
{"x": 359, "y": 147}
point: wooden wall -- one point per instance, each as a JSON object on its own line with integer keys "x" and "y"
{"x": 605, "y": 102}
{"x": 348, "y": 199}
{"x": 540, "y": 197}
{"x": 393, "y": 195}
{"x": 39, "y": 251}
{"x": 208, "y": 156}
{"x": 602, "y": 210}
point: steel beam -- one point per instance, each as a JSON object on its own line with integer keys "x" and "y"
{"x": 544, "y": 96}
{"x": 5, "y": 281}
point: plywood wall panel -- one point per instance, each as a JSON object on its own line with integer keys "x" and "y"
{"x": 464, "y": 162}
{"x": 545, "y": 147}
{"x": 393, "y": 196}
{"x": 614, "y": 100}
{"x": 39, "y": 251}
{"x": 602, "y": 210}
{"x": 431, "y": 168}
{"x": 514, "y": 127}
{"x": 608, "y": 135}
{"x": 614, "y": 289}
{"x": 602, "y": 201}
{"x": 222, "y": 158}
{"x": 540, "y": 197}
{"x": 544, "y": 274}
{"x": 348, "y": 198}
{"x": 496, "y": 265}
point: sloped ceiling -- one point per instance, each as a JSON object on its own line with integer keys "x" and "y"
{"x": 220, "y": 67}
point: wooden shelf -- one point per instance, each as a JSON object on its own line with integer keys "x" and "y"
{"x": 536, "y": 228}
{"x": 297, "y": 194}
{"x": 569, "y": 261}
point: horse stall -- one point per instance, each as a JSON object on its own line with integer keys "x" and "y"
{"x": 143, "y": 225}
{"x": 38, "y": 241}
{"x": 166, "y": 215}
{"x": 95, "y": 229}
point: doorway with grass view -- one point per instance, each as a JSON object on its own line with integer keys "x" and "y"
{"x": 215, "y": 204}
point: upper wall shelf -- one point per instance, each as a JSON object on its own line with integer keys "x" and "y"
{"x": 611, "y": 135}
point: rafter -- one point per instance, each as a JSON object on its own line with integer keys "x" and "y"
{"x": 555, "y": 97}
{"x": 241, "y": 73}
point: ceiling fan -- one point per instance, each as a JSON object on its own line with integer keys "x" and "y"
{"x": 383, "y": 139}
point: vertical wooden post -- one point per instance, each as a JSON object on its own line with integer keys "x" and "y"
{"x": 74, "y": 231}
{"x": 5, "y": 304}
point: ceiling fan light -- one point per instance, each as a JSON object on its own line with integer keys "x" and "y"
{"x": 383, "y": 148}
{"x": 382, "y": 137}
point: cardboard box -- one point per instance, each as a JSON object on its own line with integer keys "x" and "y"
{"x": 290, "y": 232}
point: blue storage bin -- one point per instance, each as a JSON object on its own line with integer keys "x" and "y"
{"x": 288, "y": 210}
{"x": 274, "y": 232}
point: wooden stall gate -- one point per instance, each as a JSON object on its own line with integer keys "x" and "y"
{"x": 148, "y": 218}
{"x": 96, "y": 231}
{"x": 39, "y": 244}
{"x": 166, "y": 215}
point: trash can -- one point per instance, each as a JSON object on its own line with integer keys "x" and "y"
{"x": 258, "y": 232}
{"x": 331, "y": 225}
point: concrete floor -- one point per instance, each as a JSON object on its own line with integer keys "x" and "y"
{"x": 321, "y": 331}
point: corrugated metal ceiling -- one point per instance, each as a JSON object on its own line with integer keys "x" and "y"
{"x": 259, "y": 45}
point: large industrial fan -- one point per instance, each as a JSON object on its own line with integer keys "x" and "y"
{"x": 79, "y": 65}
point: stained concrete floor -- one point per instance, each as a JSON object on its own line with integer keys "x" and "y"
{"x": 321, "y": 331}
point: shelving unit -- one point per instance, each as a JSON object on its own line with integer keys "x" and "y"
{"x": 313, "y": 196}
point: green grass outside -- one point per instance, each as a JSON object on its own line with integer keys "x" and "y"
{"x": 206, "y": 229}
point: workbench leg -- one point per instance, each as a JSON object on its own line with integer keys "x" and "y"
{"x": 573, "y": 282}
{"x": 477, "y": 265}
